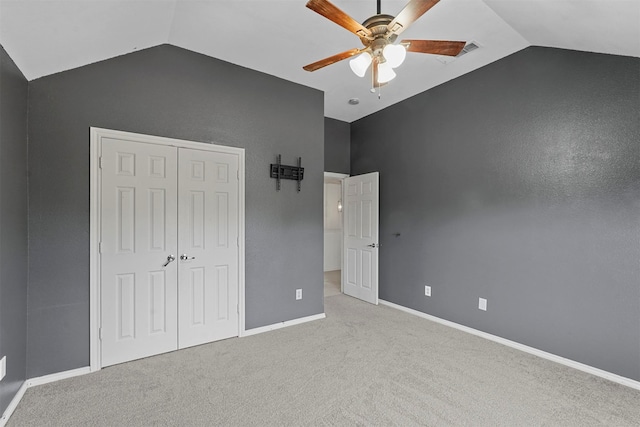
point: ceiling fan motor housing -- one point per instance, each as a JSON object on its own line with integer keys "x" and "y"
{"x": 381, "y": 36}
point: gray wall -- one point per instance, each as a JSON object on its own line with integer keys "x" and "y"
{"x": 13, "y": 226}
{"x": 519, "y": 183}
{"x": 337, "y": 146}
{"x": 170, "y": 92}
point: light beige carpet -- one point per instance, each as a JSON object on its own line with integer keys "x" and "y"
{"x": 362, "y": 365}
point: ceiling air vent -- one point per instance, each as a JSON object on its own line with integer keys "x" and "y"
{"x": 469, "y": 47}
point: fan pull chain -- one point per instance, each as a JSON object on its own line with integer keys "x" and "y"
{"x": 373, "y": 90}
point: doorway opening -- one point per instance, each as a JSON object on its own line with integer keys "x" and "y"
{"x": 333, "y": 223}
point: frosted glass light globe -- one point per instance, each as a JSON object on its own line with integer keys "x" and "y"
{"x": 360, "y": 64}
{"x": 385, "y": 73}
{"x": 394, "y": 54}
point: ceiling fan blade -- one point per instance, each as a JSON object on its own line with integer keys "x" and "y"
{"x": 411, "y": 12}
{"x": 333, "y": 13}
{"x": 331, "y": 60}
{"x": 436, "y": 47}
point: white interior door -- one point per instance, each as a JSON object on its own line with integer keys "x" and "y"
{"x": 170, "y": 252}
{"x": 208, "y": 242}
{"x": 139, "y": 232}
{"x": 360, "y": 232}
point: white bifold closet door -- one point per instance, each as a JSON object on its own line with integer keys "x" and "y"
{"x": 169, "y": 248}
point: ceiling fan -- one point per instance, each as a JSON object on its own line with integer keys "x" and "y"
{"x": 378, "y": 34}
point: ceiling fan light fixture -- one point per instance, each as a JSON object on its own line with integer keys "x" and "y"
{"x": 360, "y": 64}
{"x": 385, "y": 73}
{"x": 378, "y": 35}
{"x": 394, "y": 54}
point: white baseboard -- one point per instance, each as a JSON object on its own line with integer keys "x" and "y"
{"x": 32, "y": 382}
{"x": 531, "y": 350}
{"x": 282, "y": 325}
{"x": 57, "y": 376}
{"x": 13, "y": 404}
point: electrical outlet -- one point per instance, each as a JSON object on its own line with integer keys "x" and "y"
{"x": 482, "y": 304}
{"x": 3, "y": 367}
{"x": 298, "y": 294}
{"x": 427, "y": 291}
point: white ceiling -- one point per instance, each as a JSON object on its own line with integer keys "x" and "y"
{"x": 278, "y": 37}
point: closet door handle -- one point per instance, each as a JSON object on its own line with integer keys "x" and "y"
{"x": 185, "y": 257}
{"x": 169, "y": 259}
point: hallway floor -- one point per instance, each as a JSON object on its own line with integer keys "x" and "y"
{"x": 332, "y": 283}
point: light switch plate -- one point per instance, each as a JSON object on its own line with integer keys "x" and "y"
{"x": 482, "y": 304}
{"x": 3, "y": 367}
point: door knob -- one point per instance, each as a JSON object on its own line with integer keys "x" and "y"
{"x": 185, "y": 257}
{"x": 169, "y": 259}
{"x": 374, "y": 245}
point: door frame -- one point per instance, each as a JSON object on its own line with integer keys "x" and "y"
{"x": 96, "y": 136}
{"x": 338, "y": 176}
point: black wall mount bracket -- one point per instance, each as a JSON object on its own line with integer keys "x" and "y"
{"x": 280, "y": 171}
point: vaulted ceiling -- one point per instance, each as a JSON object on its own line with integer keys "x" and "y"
{"x": 278, "y": 37}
